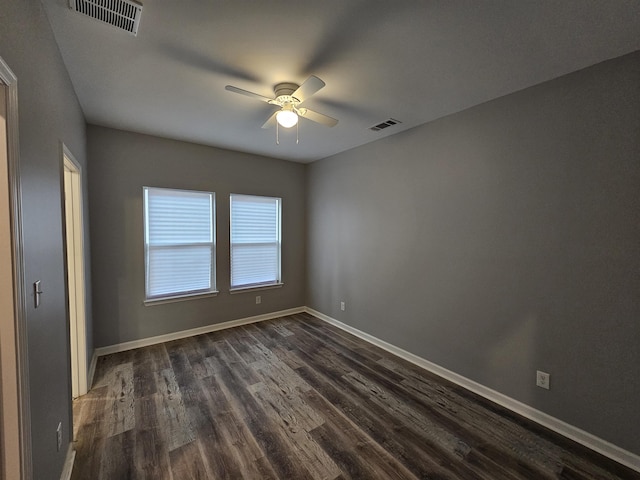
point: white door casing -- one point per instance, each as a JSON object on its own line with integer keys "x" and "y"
{"x": 74, "y": 239}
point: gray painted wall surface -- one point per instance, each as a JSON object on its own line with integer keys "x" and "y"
{"x": 500, "y": 240}
{"x": 49, "y": 113}
{"x": 121, "y": 163}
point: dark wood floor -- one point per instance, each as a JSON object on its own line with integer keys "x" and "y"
{"x": 296, "y": 398}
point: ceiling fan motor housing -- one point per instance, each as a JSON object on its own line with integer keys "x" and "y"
{"x": 285, "y": 90}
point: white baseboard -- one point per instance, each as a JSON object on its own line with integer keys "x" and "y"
{"x": 68, "y": 463}
{"x": 145, "y": 342}
{"x": 597, "y": 444}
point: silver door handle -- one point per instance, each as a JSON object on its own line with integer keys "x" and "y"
{"x": 36, "y": 294}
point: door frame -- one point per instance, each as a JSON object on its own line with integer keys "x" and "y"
{"x": 75, "y": 269}
{"x": 15, "y": 401}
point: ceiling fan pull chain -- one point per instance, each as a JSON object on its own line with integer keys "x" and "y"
{"x": 277, "y": 137}
{"x": 297, "y": 131}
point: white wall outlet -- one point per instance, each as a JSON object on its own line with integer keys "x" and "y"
{"x": 258, "y": 299}
{"x": 59, "y": 436}
{"x": 342, "y": 306}
{"x": 543, "y": 379}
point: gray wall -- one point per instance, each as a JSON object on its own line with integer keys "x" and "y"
{"x": 121, "y": 164}
{"x": 500, "y": 240}
{"x": 49, "y": 114}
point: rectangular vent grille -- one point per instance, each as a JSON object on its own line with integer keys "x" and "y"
{"x": 123, "y": 14}
{"x": 386, "y": 124}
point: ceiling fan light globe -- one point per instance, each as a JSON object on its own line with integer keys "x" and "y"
{"x": 286, "y": 118}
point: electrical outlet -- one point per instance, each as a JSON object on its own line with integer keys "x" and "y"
{"x": 59, "y": 436}
{"x": 543, "y": 379}
{"x": 258, "y": 299}
{"x": 342, "y": 306}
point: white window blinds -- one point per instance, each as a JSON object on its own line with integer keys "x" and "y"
{"x": 179, "y": 242}
{"x": 255, "y": 240}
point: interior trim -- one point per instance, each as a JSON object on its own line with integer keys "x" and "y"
{"x": 145, "y": 342}
{"x": 597, "y": 444}
{"x": 75, "y": 276}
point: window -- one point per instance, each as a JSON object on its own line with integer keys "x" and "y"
{"x": 178, "y": 242}
{"x": 255, "y": 241}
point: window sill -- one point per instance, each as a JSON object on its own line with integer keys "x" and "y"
{"x": 253, "y": 288}
{"x": 179, "y": 298}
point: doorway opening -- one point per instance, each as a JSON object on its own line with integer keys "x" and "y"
{"x": 74, "y": 239}
{"x": 8, "y": 369}
{"x": 15, "y": 417}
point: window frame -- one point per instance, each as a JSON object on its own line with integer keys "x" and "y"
{"x": 179, "y": 295}
{"x": 259, "y": 285}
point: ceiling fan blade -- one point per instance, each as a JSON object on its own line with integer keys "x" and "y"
{"x": 310, "y": 86}
{"x": 271, "y": 121}
{"x": 233, "y": 89}
{"x": 317, "y": 117}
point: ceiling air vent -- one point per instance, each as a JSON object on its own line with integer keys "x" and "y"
{"x": 123, "y": 14}
{"x": 386, "y": 124}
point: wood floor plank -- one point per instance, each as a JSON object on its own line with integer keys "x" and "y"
{"x": 104, "y": 368}
{"x": 296, "y": 418}
{"x": 515, "y": 438}
{"x": 78, "y": 415}
{"x": 235, "y": 452}
{"x": 144, "y": 369}
{"x": 356, "y": 454}
{"x": 296, "y": 398}
{"x": 425, "y": 460}
{"x": 91, "y": 434}
{"x": 360, "y": 357}
{"x": 279, "y": 328}
{"x": 118, "y": 457}
{"x": 477, "y": 459}
{"x": 481, "y": 457}
{"x": 120, "y": 399}
{"x": 276, "y": 372}
{"x": 271, "y": 439}
{"x": 172, "y": 416}
{"x": 187, "y": 464}
{"x": 159, "y": 357}
{"x": 289, "y": 357}
{"x": 241, "y": 341}
{"x": 263, "y": 336}
{"x": 524, "y": 445}
{"x": 151, "y": 457}
{"x": 151, "y": 452}
{"x": 228, "y": 357}
{"x": 409, "y": 416}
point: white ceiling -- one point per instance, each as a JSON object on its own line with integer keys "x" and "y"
{"x": 413, "y": 60}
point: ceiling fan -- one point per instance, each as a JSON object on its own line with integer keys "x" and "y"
{"x": 289, "y": 96}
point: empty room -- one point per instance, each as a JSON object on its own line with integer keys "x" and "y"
{"x": 330, "y": 239}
